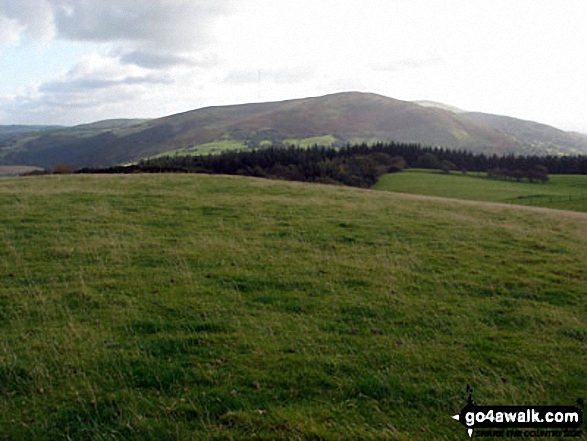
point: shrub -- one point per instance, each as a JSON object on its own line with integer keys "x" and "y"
{"x": 63, "y": 169}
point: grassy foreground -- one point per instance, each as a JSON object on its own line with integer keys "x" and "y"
{"x": 562, "y": 192}
{"x": 188, "y": 307}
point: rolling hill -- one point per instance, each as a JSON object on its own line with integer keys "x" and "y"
{"x": 13, "y": 129}
{"x": 335, "y": 119}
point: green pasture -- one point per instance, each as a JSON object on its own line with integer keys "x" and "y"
{"x": 194, "y": 307}
{"x": 564, "y": 192}
{"x": 210, "y": 148}
{"x": 325, "y": 140}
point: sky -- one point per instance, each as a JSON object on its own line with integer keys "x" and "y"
{"x": 76, "y": 61}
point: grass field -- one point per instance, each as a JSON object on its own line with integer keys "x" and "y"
{"x": 188, "y": 307}
{"x": 325, "y": 140}
{"x": 563, "y": 192}
{"x": 211, "y": 148}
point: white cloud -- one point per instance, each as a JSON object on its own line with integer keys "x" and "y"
{"x": 10, "y": 30}
{"x": 170, "y": 24}
{"x": 145, "y": 44}
{"x": 96, "y": 86}
{"x": 173, "y": 24}
{"x": 34, "y": 17}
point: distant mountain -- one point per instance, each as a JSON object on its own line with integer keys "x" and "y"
{"x": 47, "y": 146}
{"x": 334, "y": 119}
{"x": 537, "y": 138}
{"x": 13, "y": 129}
{"x": 579, "y": 134}
{"x": 110, "y": 124}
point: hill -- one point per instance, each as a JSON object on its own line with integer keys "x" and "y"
{"x": 538, "y": 138}
{"x": 47, "y": 146}
{"x": 209, "y": 307}
{"x": 110, "y": 124}
{"x": 14, "y": 129}
{"x": 335, "y": 119}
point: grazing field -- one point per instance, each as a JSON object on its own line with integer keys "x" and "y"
{"x": 188, "y": 307}
{"x": 211, "y": 148}
{"x": 563, "y": 192}
{"x": 326, "y": 140}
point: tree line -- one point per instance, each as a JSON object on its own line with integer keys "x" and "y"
{"x": 354, "y": 165}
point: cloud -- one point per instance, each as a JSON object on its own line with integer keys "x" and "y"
{"x": 9, "y": 30}
{"x": 153, "y": 59}
{"x": 34, "y": 17}
{"x": 96, "y": 87}
{"x": 144, "y": 49}
{"x": 84, "y": 85}
{"x": 99, "y": 72}
{"x": 272, "y": 75}
{"x": 153, "y": 34}
{"x": 158, "y": 59}
{"x": 171, "y": 24}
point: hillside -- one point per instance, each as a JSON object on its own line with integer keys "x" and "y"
{"x": 109, "y": 124}
{"x": 335, "y": 119}
{"x": 14, "y": 129}
{"x": 207, "y": 307}
{"x": 47, "y": 146}
{"x": 538, "y": 138}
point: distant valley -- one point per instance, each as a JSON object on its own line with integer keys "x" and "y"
{"x": 336, "y": 119}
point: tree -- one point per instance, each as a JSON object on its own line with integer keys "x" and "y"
{"x": 428, "y": 160}
{"x": 398, "y": 163}
{"x": 539, "y": 173}
{"x": 446, "y": 166}
{"x": 63, "y": 169}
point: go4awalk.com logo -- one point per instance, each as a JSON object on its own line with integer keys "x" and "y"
{"x": 520, "y": 421}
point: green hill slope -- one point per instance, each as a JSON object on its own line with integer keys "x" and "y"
{"x": 340, "y": 118}
{"x": 197, "y": 307}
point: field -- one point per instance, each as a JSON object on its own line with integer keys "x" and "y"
{"x": 326, "y": 140}
{"x": 188, "y": 307}
{"x": 563, "y": 192}
{"x": 225, "y": 145}
{"x": 211, "y": 148}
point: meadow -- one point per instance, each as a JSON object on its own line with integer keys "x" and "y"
{"x": 188, "y": 307}
{"x": 211, "y": 148}
{"x": 563, "y": 192}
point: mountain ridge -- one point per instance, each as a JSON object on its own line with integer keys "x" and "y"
{"x": 346, "y": 117}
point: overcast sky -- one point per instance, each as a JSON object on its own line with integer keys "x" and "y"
{"x": 76, "y": 61}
